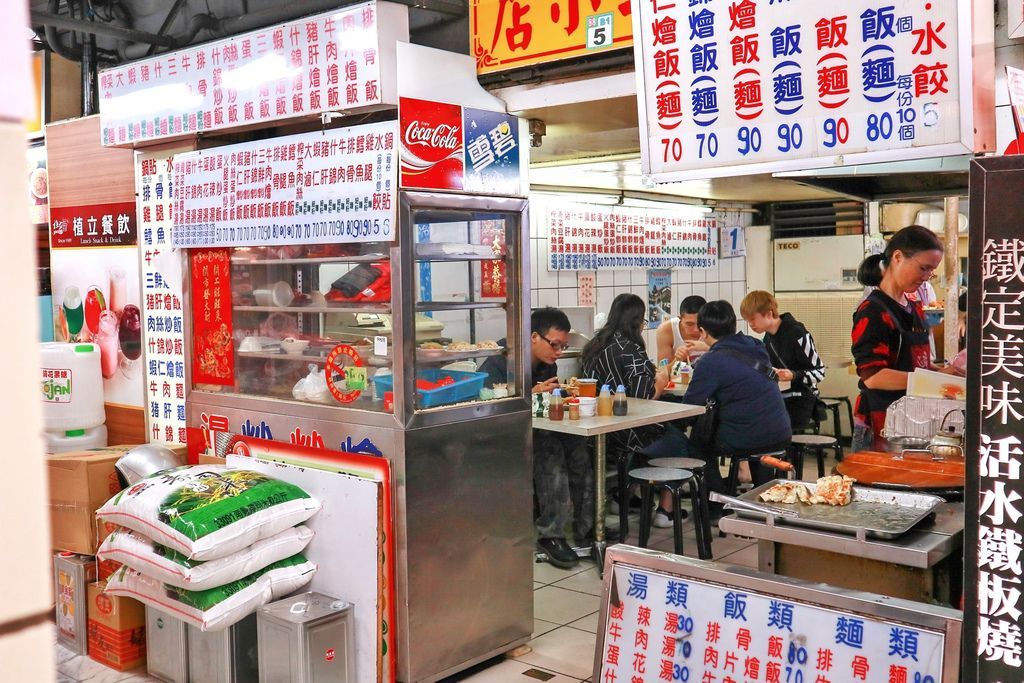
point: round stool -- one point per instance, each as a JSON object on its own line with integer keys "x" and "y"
{"x": 816, "y": 443}
{"x": 649, "y": 478}
{"x": 833, "y": 403}
{"x": 732, "y": 480}
{"x": 698, "y": 498}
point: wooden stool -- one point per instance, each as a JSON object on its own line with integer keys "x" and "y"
{"x": 650, "y": 477}
{"x": 698, "y": 498}
{"x": 816, "y": 443}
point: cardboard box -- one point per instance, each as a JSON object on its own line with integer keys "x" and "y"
{"x": 117, "y": 629}
{"x": 80, "y": 482}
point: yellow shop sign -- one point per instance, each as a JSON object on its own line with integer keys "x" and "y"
{"x": 512, "y": 34}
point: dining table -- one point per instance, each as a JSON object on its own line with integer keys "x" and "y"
{"x": 640, "y": 412}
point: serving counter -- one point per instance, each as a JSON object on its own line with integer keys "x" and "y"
{"x": 922, "y": 565}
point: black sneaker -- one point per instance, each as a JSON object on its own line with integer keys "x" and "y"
{"x": 559, "y": 553}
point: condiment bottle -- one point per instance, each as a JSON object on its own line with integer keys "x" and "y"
{"x": 574, "y": 410}
{"x": 619, "y": 406}
{"x": 604, "y": 401}
{"x": 556, "y": 409}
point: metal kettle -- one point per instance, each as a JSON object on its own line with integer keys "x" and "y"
{"x": 947, "y": 442}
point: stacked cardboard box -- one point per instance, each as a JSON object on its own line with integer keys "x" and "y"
{"x": 117, "y": 629}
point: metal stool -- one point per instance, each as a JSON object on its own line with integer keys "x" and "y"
{"x": 650, "y": 477}
{"x": 732, "y": 480}
{"x": 832, "y": 404}
{"x": 698, "y": 498}
{"x": 816, "y": 443}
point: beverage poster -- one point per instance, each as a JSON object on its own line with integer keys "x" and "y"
{"x": 659, "y": 297}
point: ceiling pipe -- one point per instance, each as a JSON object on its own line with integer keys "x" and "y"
{"x": 55, "y": 21}
{"x": 53, "y": 38}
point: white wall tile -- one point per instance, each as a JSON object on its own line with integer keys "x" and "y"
{"x": 547, "y": 297}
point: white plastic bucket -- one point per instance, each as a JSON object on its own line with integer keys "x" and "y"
{"x": 76, "y": 439}
{"x": 71, "y": 386}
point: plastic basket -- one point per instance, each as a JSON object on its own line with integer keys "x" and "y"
{"x": 466, "y": 387}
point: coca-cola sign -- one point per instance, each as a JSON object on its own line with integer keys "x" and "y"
{"x": 432, "y": 145}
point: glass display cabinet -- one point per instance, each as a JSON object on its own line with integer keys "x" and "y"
{"x": 414, "y": 350}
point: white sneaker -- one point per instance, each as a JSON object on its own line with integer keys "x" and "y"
{"x": 662, "y": 519}
{"x": 613, "y": 507}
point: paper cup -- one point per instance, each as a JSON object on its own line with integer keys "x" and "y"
{"x": 588, "y": 406}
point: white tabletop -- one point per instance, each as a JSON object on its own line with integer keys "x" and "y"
{"x": 641, "y": 412}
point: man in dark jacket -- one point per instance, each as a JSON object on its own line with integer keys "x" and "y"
{"x": 792, "y": 353}
{"x": 736, "y": 372}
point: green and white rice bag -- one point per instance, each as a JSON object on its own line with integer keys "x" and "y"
{"x": 206, "y": 512}
{"x": 216, "y": 608}
{"x": 160, "y": 562}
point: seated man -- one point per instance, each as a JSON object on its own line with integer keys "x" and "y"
{"x": 563, "y": 478}
{"x": 736, "y": 372}
{"x": 679, "y": 338}
{"x": 792, "y": 353}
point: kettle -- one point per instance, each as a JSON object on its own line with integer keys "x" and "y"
{"x": 947, "y": 442}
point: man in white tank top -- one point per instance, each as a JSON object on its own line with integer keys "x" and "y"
{"x": 679, "y": 338}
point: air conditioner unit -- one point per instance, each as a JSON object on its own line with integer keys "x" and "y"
{"x": 808, "y": 264}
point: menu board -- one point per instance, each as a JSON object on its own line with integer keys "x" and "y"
{"x": 595, "y": 237}
{"x": 326, "y": 62}
{"x": 749, "y": 86}
{"x": 674, "y": 628}
{"x": 332, "y": 186}
{"x": 163, "y": 336}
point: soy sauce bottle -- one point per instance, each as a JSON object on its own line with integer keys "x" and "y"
{"x": 619, "y": 406}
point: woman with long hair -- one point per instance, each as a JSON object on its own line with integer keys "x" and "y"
{"x": 890, "y": 335}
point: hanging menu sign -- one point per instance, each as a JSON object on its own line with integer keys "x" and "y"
{"x": 327, "y": 62}
{"x": 332, "y": 186}
{"x": 754, "y": 86}
{"x": 663, "y": 626}
{"x": 595, "y": 237}
{"x": 162, "y": 315}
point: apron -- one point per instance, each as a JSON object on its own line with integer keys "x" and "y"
{"x": 912, "y": 351}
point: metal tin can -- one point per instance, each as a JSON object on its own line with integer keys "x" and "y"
{"x": 166, "y": 647}
{"x": 227, "y": 656}
{"x": 307, "y": 638}
{"x": 71, "y": 572}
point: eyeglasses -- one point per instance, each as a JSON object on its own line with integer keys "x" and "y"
{"x": 557, "y": 346}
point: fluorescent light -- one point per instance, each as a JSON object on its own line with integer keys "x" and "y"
{"x": 264, "y": 70}
{"x": 666, "y": 205}
{"x": 580, "y": 197}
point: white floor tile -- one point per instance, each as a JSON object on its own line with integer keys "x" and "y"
{"x": 516, "y": 671}
{"x": 562, "y": 606}
{"x": 568, "y": 651}
{"x": 540, "y": 627}
{"x": 545, "y": 573}
{"x": 745, "y": 557}
{"x": 588, "y": 581}
{"x": 538, "y": 584}
{"x": 587, "y": 623}
{"x": 87, "y": 670}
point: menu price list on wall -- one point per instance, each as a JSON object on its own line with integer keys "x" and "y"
{"x": 595, "y": 237}
{"x": 670, "y": 628}
{"x": 329, "y": 61}
{"x": 162, "y": 311}
{"x": 333, "y": 186}
{"x": 788, "y": 84}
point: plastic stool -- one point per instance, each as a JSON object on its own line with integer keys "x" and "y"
{"x": 817, "y": 443}
{"x": 650, "y": 477}
{"x": 698, "y": 498}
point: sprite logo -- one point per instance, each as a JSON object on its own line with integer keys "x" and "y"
{"x": 57, "y": 390}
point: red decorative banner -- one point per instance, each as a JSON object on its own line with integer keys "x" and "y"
{"x": 95, "y": 225}
{"x": 431, "y": 145}
{"x": 213, "y": 358}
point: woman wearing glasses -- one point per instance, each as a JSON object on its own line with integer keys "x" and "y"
{"x": 890, "y": 335}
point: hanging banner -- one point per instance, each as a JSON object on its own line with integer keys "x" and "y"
{"x": 738, "y": 86}
{"x": 595, "y": 237}
{"x": 332, "y": 186}
{"x": 516, "y": 35}
{"x": 335, "y": 61}
{"x": 459, "y": 149}
{"x": 733, "y": 243}
{"x": 213, "y": 357}
{"x": 162, "y": 315}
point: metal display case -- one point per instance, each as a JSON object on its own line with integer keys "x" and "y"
{"x": 458, "y": 444}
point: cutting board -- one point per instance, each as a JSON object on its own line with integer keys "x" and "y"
{"x": 916, "y": 471}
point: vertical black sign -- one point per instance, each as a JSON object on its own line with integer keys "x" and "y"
{"x": 994, "y": 494}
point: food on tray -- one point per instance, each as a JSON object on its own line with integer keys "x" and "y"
{"x": 460, "y": 346}
{"x": 431, "y": 346}
{"x": 833, "y": 490}
{"x": 953, "y": 391}
{"x": 488, "y": 344}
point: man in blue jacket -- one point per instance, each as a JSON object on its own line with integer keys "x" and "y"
{"x": 737, "y": 373}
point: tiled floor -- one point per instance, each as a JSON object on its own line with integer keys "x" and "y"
{"x": 565, "y": 603}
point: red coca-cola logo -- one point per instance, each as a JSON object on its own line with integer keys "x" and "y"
{"x": 440, "y": 136}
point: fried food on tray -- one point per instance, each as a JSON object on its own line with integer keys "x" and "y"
{"x": 461, "y": 346}
{"x": 488, "y": 344}
{"x": 833, "y": 490}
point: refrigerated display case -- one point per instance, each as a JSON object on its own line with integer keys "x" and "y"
{"x": 379, "y": 347}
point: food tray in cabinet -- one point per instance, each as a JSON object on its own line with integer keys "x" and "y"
{"x": 873, "y": 513}
{"x": 465, "y": 386}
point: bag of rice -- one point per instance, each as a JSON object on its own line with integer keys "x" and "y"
{"x": 206, "y": 512}
{"x": 216, "y": 608}
{"x": 149, "y": 557}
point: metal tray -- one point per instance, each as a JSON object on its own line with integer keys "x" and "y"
{"x": 874, "y": 513}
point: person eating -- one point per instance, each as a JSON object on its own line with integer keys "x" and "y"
{"x": 678, "y": 338}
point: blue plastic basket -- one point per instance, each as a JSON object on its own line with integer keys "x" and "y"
{"x": 466, "y": 387}
{"x": 934, "y": 316}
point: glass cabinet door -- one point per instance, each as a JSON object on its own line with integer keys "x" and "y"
{"x": 465, "y": 288}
